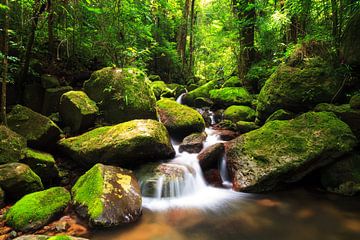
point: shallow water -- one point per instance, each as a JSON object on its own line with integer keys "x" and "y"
{"x": 295, "y": 214}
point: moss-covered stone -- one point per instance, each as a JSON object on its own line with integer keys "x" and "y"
{"x": 232, "y": 82}
{"x": 37, "y": 209}
{"x": 285, "y": 151}
{"x": 122, "y": 94}
{"x": 180, "y": 120}
{"x": 107, "y": 196}
{"x": 52, "y": 99}
{"x": 160, "y": 89}
{"x": 38, "y": 130}
{"x": 239, "y": 113}
{"x": 244, "y": 126}
{"x": 43, "y": 164}
{"x": 49, "y": 81}
{"x": 347, "y": 114}
{"x": 126, "y": 144}
{"x": 343, "y": 176}
{"x": 77, "y": 110}
{"x": 12, "y": 146}
{"x": 297, "y": 89}
{"x": 17, "y": 179}
{"x": 355, "y": 102}
{"x": 228, "y": 96}
{"x": 177, "y": 89}
{"x": 193, "y": 143}
{"x": 200, "y": 92}
{"x": 280, "y": 114}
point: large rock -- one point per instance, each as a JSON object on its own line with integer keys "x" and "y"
{"x": 107, "y": 196}
{"x": 52, "y": 99}
{"x": 200, "y": 92}
{"x": 37, "y": 209}
{"x": 126, "y": 144}
{"x": 77, "y": 110}
{"x": 285, "y": 151}
{"x": 43, "y": 164}
{"x": 38, "y": 130}
{"x": 210, "y": 157}
{"x": 228, "y": 96}
{"x": 49, "y": 81}
{"x": 122, "y": 94}
{"x": 347, "y": 114}
{"x": 12, "y": 146}
{"x": 343, "y": 176}
{"x": 180, "y": 120}
{"x": 17, "y": 179}
{"x": 193, "y": 143}
{"x": 297, "y": 89}
{"x": 239, "y": 113}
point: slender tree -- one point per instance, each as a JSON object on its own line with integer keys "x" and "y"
{"x": 191, "y": 43}
{"x": 183, "y": 32}
{"x": 5, "y": 63}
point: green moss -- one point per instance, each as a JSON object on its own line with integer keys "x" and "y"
{"x": 180, "y": 119}
{"x": 228, "y": 96}
{"x": 12, "y": 146}
{"x": 232, "y": 82}
{"x": 40, "y": 156}
{"x": 239, "y": 113}
{"x": 355, "y": 102}
{"x": 202, "y": 91}
{"x": 160, "y": 89}
{"x": 37, "y": 209}
{"x": 82, "y": 102}
{"x": 60, "y": 237}
{"x": 244, "y": 126}
{"x": 88, "y": 190}
{"x": 280, "y": 114}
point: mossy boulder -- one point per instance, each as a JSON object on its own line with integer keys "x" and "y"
{"x": 49, "y": 81}
{"x": 17, "y": 179}
{"x": 2, "y": 198}
{"x": 52, "y": 99}
{"x": 280, "y": 114}
{"x": 343, "y": 176}
{"x": 201, "y": 92}
{"x": 232, "y": 82}
{"x": 193, "y": 143}
{"x": 228, "y": 96}
{"x": 180, "y": 120}
{"x": 160, "y": 89}
{"x": 12, "y": 146}
{"x": 355, "y": 102}
{"x": 122, "y": 94}
{"x": 77, "y": 110}
{"x": 297, "y": 89}
{"x": 245, "y": 126}
{"x": 127, "y": 144}
{"x": 43, "y": 164}
{"x": 239, "y": 113}
{"x": 37, "y": 209}
{"x": 38, "y": 130}
{"x": 347, "y": 114}
{"x": 107, "y": 196}
{"x": 285, "y": 151}
{"x": 177, "y": 89}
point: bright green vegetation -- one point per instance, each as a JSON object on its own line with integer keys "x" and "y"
{"x": 244, "y": 126}
{"x": 228, "y": 96}
{"x": 180, "y": 120}
{"x": 239, "y": 113}
{"x": 12, "y": 146}
{"x": 278, "y": 151}
{"x": 201, "y": 92}
{"x": 36, "y": 209}
{"x": 81, "y": 101}
{"x": 122, "y": 94}
{"x": 126, "y": 144}
{"x": 88, "y": 190}
{"x": 60, "y": 237}
{"x": 280, "y": 114}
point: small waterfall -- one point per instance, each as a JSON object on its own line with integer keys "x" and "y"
{"x": 179, "y": 99}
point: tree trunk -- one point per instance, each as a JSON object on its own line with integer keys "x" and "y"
{"x": 50, "y": 8}
{"x": 335, "y": 22}
{"x": 26, "y": 62}
{"x": 191, "y": 44}
{"x": 182, "y": 35}
{"x": 5, "y": 65}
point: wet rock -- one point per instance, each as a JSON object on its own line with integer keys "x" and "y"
{"x": 107, "y": 196}
{"x": 126, "y": 144}
{"x": 228, "y": 96}
{"x": 343, "y": 176}
{"x": 244, "y": 127}
{"x": 297, "y": 89}
{"x": 200, "y": 92}
{"x": 211, "y": 156}
{"x": 285, "y": 151}
{"x": 52, "y": 99}
{"x": 179, "y": 120}
{"x": 12, "y": 146}
{"x": 227, "y": 135}
{"x": 213, "y": 178}
{"x": 239, "y": 113}
{"x": 163, "y": 180}
{"x": 280, "y": 114}
{"x": 122, "y": 94}
{"x": 43, "y": 164}
{"x": 193, "y": 143}
{"x": 347, "y": 114}
{"x": 17, "y": 179}
{"x": 77, "y": 110}
{"x": 49, "y": 81}
{"x": 355, "y": 102}
{"x": 39, "y": 131}
{"x": 37, "y": 209}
